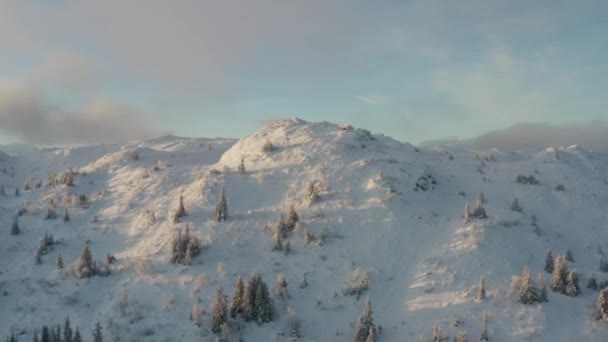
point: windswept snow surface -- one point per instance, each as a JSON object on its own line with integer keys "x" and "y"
{"x": 424, "y": 260}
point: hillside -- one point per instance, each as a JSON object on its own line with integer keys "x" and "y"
{"x": 384, "y": 207}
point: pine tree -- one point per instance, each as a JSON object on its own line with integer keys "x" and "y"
{"x": 542, "y": 294}
{"x": 481, "y": 290}
{"x": 479, "y": 211}
{"x": 15, "y": 229}
{"x": 97, "y": 334}
{"x": 57, "y": 333}
{"x": 241, "y": 168}
{"x": 181, "y": 210}
{"x": 484, "y": 327}
{"x": 219, "y": 311}
{"x": 603, "y": 264}
{"x": 528, "y": 293}
{"x": 592, "y": 283}
{"x": 238, "y": 299}
{"x": 221, "y": 210}
{"x": 560, "y": 274}
{"x": 280, "y": 227}
{"x": 569, "y": 255}
{"x": 549, "y": 262}
{"x": 46, "y": 335}
{"x": 466, "y": 212}
{"x": 572, "y": 288}
{"x": 277, "y": 242}
{"x": 67, "y": 331}
{"x": 59, "y": 262}
{"x": 311, "y": 194}
{"x": 77, "y": 337}
{"x": 188, "y": 256}
{"x": 250, "y": 294}
{"x": 66, "y": 216}
{"x": 364, "y": 323}
{"x": 263, "y": 310}
{"x": 281, "y": 290}
{"x": 292, "y": 219}
{"x": 602, "y": 305}
{"x": 515, "y": 205}
{"x": 84, "y": 265}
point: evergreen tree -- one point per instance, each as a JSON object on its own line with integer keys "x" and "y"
{"x": 97, "y": 334}
{"x": 57, "y": 333}
{"x": 66, "y": 216}
{"x": 241, "y": 168}
{"x": 311, "y": 194}
{"x": 542, "y": 295}
{"x": 84, "y": 265}
{"x": 603, "y": 264}
{"x": 560, "y": 275}
{"x": 364, "y": 323}
{"x": 484, "y": 327}
{"x": 268, "y": 147}
{"x": 67, "y": 331}
{"x": 602, "y": 305}
{"x": 481, "y": 290}
{"x": 280, "y": 227}
{"x": 219, "y": 311}
{"x": 250, "y": 294}
{"x": 304, "y": 283}
{"x": 181, "y": 210}
{"x": 287, "y": 248}
{"x": 281, "y": 290}
{"x": 479, "y": 211}
{"x": 528, "y": 293}
{"x": 17, "y": 194}
{"x": 50, "y": 214}
{"x": 59, "y": 262}
{"x": 77, "y": 337}
{"x": 371, "y": 334}
{"x": 238, "y": 299}
{"x": 549, "y": 262}
{"x": 572, "y": 288}
{"x": 569, "y": 255}
{"x": 466, "y": 212}
{"x": 277, "y": 242}
{"x": 592, "y": 283}
{"x": 221, "y": 210}
{"x": 292, "y": 219}
{"x": 263, "y": 310}
{"x": 46, "y": 335}
{"x": 15, "y": 229}
{"x": 515, "y": 205}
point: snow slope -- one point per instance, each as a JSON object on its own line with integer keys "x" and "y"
{"x": 424, "y": 261}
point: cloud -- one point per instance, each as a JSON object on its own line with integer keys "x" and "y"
{"x": 26, "y": 114}
{"x": 68, "y": 70}
{"x": 374, "y": 99}
{"x": 536, "y": 136}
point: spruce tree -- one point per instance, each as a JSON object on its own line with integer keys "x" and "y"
{"x": 67, "y": 331}
{"x": 603, "y": 264}
{"x": 17, "y": 194}
{"x": 219, "y": 311}
{"x": 84, "y": 265}
{"x": 77, "y": 337}
{"x": 569, "y": 256}
{"x": 304, "y": 283}
{"x": 66, "y": 216}
{"x": 221, "y": 210}
{"x": 572, "y": 288}
{"x": 484, "y": 327}
{"x": 311, "y": 194}
{"x": 263, "y": 310}
{"x": 281, "y": 289}
{"x": 241, "y": 168}
{"x": 602, "y": 305}
{"x": 15, "y": 229}
{"x": 280, "y": 227}
{"x": 97, "y": 333}
{"x": 560, "y": 275}
{"x": 59, "y": 262}
{"x": 549, "y": 262}
{"x": 277, "y": 242}
{"x": 592, "y": 283}
{"x": 479, "y": 211}
{"x": 238, "y": 299}
{"x": 181, "y": 210}
{"x": 364, "y": 323}
{"x": 481, "y": 289}
{"x": 250, "y": 294}
{"x": 46, "y": 334}
{"x": 528, "y": 293}
{"x": 515, "y": 205}
{"x": 292, "y": 219}
{"x": 542, "y": 294}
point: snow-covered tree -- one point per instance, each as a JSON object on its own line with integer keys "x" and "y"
{"x": 181, "y": 210}
{"x": 603, "y": 264}
{"x": 364, "y": 323}
{"x": 312, "y": 195}
{"x": 219, "y": 311}
{"x": 17, "y": 193}
{"x": 569, "y": 256}
{"x": 59, "y": 262}
{"x": 262, "y": 307}
{"x": 549, "y": 262}
{"x": 292, "y": 219}
{"x": 602, "y": 305}
{"x": 572, "y": 288}
{"x": 250, "y": 294}
{"x": 221, "y": 210}
{"x": 97, "y": 333}
{"x": 68, "y": 334}
{"x": 467, "y": 213}
{"x": 15, "y": 229}
{"x": 304, "y": 283}
{"x": 50, "y": 214}
{"x": 241, "y": 168}
{"x": 277, "y": 242}
{"x": 293, "y": 323}
{"x": 281, "y": 289}
{"x": 560, "y": 275}
{"x": 484, "y": 327}
{"x": 515, "y": 206}
{"x": 592, "y": 283}
{"x": 268, "y": 147}
{"x": 238, "y": 299}
{"x": 528, "y": 294}
{"x": 542, "y": 293}
{"x": 479, "y": 212}
{"x": 85, "y": 267}
{"x": 77, "y": 337}
{"x": 481, "y": 289}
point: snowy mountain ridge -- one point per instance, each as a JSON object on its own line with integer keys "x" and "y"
{"x": 384, "y": 207}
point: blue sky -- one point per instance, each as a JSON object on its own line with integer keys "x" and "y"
{"x": 415, "y": 70}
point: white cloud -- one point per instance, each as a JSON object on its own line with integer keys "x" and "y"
{"x": 374, "y": 99}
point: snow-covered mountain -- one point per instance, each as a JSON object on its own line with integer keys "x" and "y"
{"x": 384, "y": 207}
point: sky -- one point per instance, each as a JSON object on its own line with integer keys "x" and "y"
{"x": 75, "y": 72}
